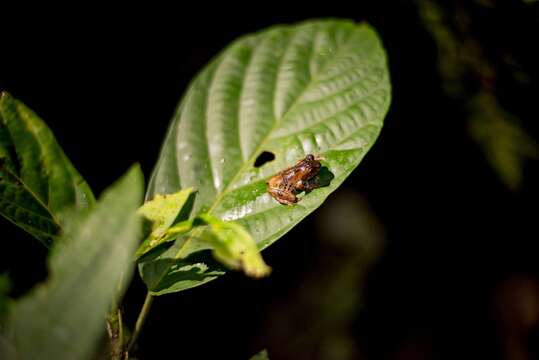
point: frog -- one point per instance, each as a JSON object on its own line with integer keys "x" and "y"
{"x": 303, "y": 176}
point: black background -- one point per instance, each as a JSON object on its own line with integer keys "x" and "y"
{"x": 107, "y": 81}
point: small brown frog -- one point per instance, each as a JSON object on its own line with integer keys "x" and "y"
{"x": 301, "y": 177}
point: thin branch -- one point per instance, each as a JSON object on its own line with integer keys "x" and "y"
{"x": 141, "y": 319}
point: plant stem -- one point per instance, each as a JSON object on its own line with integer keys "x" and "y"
{"x": 121, "y": 333}
{"x": 140, "y": 320}
{"x": 115, "y": 331}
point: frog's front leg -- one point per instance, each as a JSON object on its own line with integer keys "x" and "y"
{"x": 283, "y": 196}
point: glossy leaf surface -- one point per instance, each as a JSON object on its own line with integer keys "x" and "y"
{"x": 319, "y": 87}
{"x": 64, "y": 317}
{"x": 37, "y": 181}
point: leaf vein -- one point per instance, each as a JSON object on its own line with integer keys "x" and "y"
{"x": 341, "y": 111}
{"x": 30, "y": 211}
{"x": 18, "y": 179}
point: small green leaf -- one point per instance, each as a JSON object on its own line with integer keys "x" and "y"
{"x": 234, "y": 247}
{"x": 64, "y": 317}
{"x": 319, "y": 87}
{"x": 263, "y": 355}
{"x": 37, "y": 181}
{"x": 163, "y": 211}
{"x": 153, "y": 241}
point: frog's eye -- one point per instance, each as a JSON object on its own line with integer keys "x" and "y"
{"x": 310, "y": 157}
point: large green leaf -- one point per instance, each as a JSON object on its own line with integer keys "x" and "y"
{"x": 64, "y": 317}
{"x": 37, "y": 181}
{"x": 319, "y": 87}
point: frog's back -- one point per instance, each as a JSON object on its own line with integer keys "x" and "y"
{"x": 291, "y": 175}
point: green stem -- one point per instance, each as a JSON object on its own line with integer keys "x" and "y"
{"x": 141, "y": 319}
{"x": 120, "y": 333}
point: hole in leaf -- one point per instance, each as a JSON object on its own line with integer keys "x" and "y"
{"x": 264, "y": 157}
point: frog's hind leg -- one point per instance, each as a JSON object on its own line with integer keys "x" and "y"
{"x": 284, "y": 197}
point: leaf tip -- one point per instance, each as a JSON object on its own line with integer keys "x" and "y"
{"x": 259, "y": 271}
{"x": 135, "y": 173}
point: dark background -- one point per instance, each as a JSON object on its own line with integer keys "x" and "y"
{"x": 457, "y": 274}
